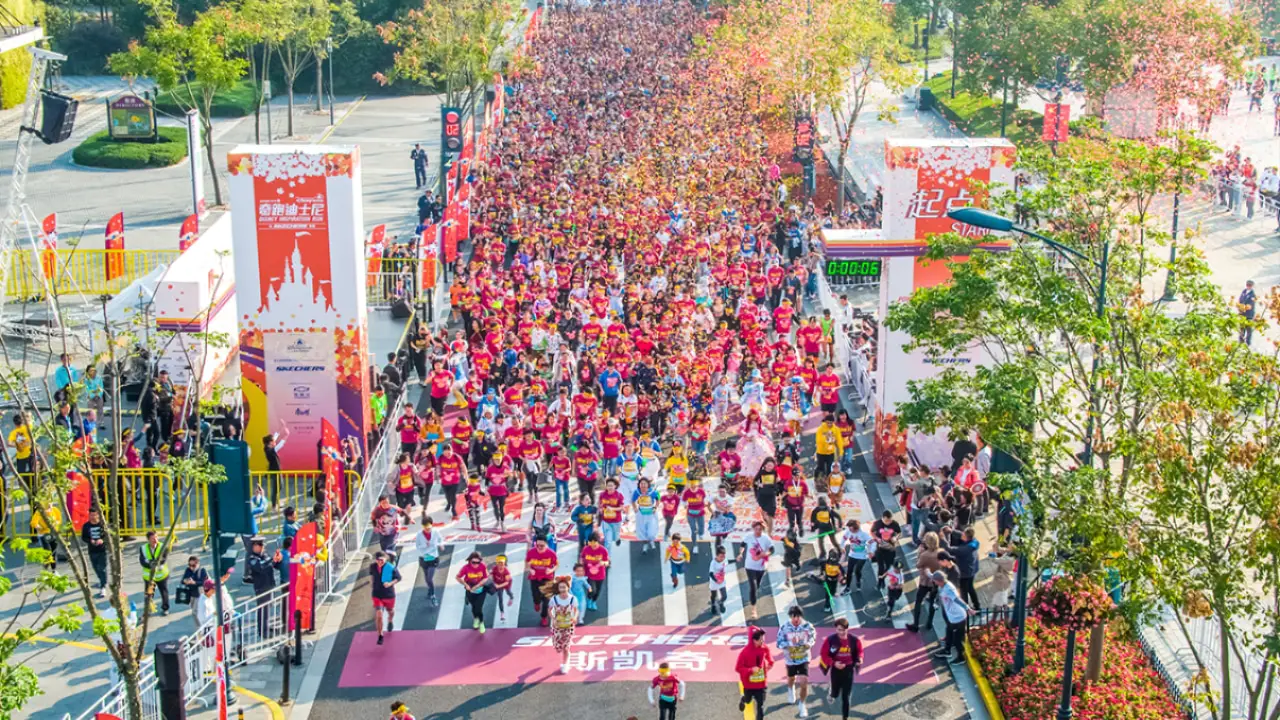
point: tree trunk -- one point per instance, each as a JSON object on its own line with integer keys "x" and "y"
{"x": 1004, "y": 105}
{"x": 213, "y": 168}
{"x": 1097, "y": 640}
{"x": 955, "y": 64}
{"x": 1224, "y": 652}
{"x": 844, "y": 151}
{"x": 320, "y": 82}
{"x": 290, "y": 93}
{"x": 257, "y": 107}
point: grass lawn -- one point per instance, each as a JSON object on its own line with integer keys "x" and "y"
{"x": 979, "y": 115}
{"x": 237, "y": 102}
{"x": 101, "y": 151}
{"x": 939, "y": 43}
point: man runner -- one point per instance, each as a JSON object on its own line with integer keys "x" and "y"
{"x": 796, "y": 638}
{"x": 842, "y": 655}
{"x": 384, "y": 576}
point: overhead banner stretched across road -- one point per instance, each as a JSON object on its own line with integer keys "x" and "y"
{"x": 297, "y": 224}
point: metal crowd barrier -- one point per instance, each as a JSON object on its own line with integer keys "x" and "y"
{"x": 258, "y": 627}
{"x": 80, "y": 271}
{"x": 151, "y": 503}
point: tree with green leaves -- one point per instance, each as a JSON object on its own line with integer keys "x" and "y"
{"x": 1178, "y": 499}
{"x": 815, "y": 57}
{"x": 194, "y": 62}
{"x": 446, "y": 45}
{"x": 65, "y": 464}
{"x": 307, "y": 24}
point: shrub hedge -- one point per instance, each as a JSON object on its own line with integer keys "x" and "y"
{"x": 101, "y": 151}
{"x": 237, "y": 102}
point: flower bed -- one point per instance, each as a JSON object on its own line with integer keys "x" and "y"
{"x": 1129, "y": 688}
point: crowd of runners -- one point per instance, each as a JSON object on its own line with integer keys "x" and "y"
{"x": 635, "y": 283}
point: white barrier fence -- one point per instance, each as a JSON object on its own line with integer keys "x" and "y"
{"x": 259, "y": 627}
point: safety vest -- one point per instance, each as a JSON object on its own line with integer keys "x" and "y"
{"x": 158, "y": 571}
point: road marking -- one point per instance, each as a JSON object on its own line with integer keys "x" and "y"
{"x": 841, "y": 605}
{"x": 675, "y": 600}
{"x": 407, "y": 562}
{"x": 733, "y": 614}
{"x": 59, "y": 641}
{"x": 515, "y": 563}
{"x": 619, "y": 580}
{"x": 345, "y": 115}
{"x": 783, "y": 596}
{"x": 454, "y": 596}
{"x": 273, "y": 708}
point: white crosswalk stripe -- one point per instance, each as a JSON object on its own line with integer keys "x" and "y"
{"x": 618, "y": 584}
{"x": 783, "y": 597}
{"x": 733, "y": 614}
{"x": 407, "y": 562}
{"x": 675, "y": 601}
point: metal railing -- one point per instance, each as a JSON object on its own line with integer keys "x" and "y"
{"x": 80, "y": 271}
{"x": 152, "y": 501}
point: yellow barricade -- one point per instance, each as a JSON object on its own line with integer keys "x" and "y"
{"x": 149, "y": 499}
{"x": 81, "y": 271}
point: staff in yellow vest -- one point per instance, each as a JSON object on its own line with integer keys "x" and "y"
{"x": 152, "y": 556}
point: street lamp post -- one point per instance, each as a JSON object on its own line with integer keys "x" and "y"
{"x": 328, "y": 52}
{"x": 990, "y": 221}
{"x": 1064, "y": 706}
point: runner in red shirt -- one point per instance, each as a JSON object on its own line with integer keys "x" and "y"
{"x": 670, "y": 689}
{"x": 595, "y": 558}
{"x": 828, "y": 389}
{"x": 441, "y": 386}
{"x": 541, "y": 563}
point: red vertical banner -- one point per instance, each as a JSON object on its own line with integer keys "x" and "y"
{"x": 49, "y": 246}
{"x": 115, "y": 246}
{"x": 429, "y": 254}
{"x": 187, "y": 235}
{"x": 464, "y": 214}
{"x": 1057, "y": 119}
{"x": 332, "y": 464}
{"x": 451, "y": 184}
{"x": 373, "y": 253}
{"x": 450, "y": 235}
{"x": 220, "y": 670}
{"x": 302, "y": 576}
{"x": 79, "y": 499}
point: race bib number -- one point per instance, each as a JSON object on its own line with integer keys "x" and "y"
{"x": 824, "y": 516}
{"x": 757, "y": 675}
{"x": 564, "y": 621}
{"x": 798, "y": 653}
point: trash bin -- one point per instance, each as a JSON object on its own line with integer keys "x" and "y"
{"x": 926, "y": 99}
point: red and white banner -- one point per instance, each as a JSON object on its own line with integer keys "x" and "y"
{"x": 302, "y": 576}
{"x": 499, "y": 99}
{"x": 429, "y": 256}
{"x": 616, "y": 654}
{"x": 115, "y": 246}
{"x": 49, "y": 245}
{"x": 189, "y": 232}
{"x": 1057, "y": 122}
{"x": 220, "y": 670}
{"x": 297, "y": 230}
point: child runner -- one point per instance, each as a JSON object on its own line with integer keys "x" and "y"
{"x": 579, "y": 587}
{"x": 564, "y": 611}
{"x": 400, "y": 711}
{"x": 893, "y": 578}
{"x": 501, "y": 576}
{"x": 797, "y": 638}
{"x": 645, "y": 502}
{"x": 695, "y": 510}
{"x": 716, "y": 580}
{"x": 670, "y": 689}
{"x": 670, "y": 507}
{"x": 678, "y": 555}
{"x": 596, "y": 559}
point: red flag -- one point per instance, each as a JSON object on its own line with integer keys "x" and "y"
{"x": 429, "y": 253}
{"x": 49, "y": 245}
{"x": 378, "y": 235}
{"x": 464, "y": 213}
{"x": 187, "y": 235}
{"x": 1057, "y": 119}
{"x": 115, "y": 246}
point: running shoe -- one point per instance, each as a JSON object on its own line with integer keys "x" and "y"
{"x": 379, "y": 639}
{"x": 434, "y": 602}
{"x": 481, "y": 628}
{"x": 742, "y": 704}
{"x": 475, "y": 623}
{"x": 695, "y": 548}
{"x": 804, "y": 711}
{"x": 502, "y": 617}
{"x": 390, "y": 626}
{"x": 791, "y": 695}
{"x": 564, "y": 669}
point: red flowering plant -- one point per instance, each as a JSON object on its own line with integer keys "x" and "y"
{"x": 1128, "y": 688}
{"x": 1071, "y": 602}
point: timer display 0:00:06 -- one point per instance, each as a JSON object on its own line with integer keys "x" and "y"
{"x": 853, "y": 268}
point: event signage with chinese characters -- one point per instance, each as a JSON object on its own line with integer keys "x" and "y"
{"x": 130, "y": 117}
{"x": 297, "y": 229}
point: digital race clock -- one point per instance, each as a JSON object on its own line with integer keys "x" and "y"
{"x": 853, "y": 268}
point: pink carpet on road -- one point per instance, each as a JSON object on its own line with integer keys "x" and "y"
{"x": 414, "y": 658}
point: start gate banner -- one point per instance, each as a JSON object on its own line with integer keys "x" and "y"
{"x": 299, "y": 241}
